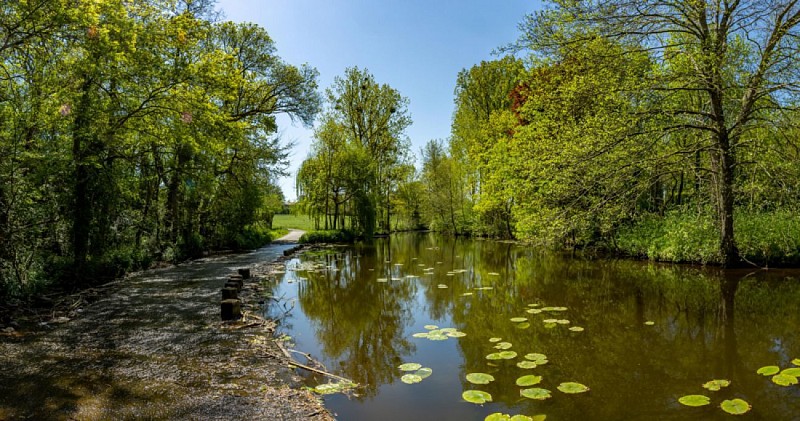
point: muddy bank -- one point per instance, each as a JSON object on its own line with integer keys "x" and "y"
{"x": 151, "y": 346}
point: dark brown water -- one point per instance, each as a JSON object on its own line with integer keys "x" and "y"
{"x": 707, "y": 325}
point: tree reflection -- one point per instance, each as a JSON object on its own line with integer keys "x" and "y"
{"x": 358, "y": 321}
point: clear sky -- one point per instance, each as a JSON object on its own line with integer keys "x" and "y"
{"x": 416, "y": 46}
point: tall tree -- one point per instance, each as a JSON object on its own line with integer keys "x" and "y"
{"x": 742, "y": 60}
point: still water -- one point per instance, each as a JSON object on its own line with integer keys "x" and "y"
{"x": 652, "y": 333}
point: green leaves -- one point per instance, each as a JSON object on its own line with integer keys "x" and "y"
{"x": 769, "y": 370}
{"x": 715, "y": 385}
{"x": 735, "y": 406}
{"x": 476, "y": 396}
{"x": 572, "y": 388}
{"x": 528, "y": 380}
{"x": 480, "y": 378}
{"x": 536, "y": 393}
{"x": 694, "y": 400}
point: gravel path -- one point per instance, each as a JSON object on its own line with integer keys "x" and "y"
{"x": 152, "y": 347}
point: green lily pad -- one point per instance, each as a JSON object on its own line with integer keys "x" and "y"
{"x": 424, "y": 372}
{"x": 528, "y": 380}
{"x": 649, "y": 323}
{"x": 550, "y": 325}
{"x": 735, "y": 406}
{"x": 330, "y": 388}
{"x": 563, "y": 321}
{"x": 503, "y": 345}
{"x": 576, "y": 329}
{"x": 448, "y": 330}
{"x": 694, "y": 400}
{"x": 507, "y": 355}
{"x": 495, "y": 339}
{"x": 476, "y": 396}
{"x": 523, "y": 325}
{"x": 441, "y": 286}
{"x": 533, "y": 311}
{"x": 784, "y": 380}
{"x": 536, "y": 393}
{"x": 715, "y": 385}
{"x": 769, "y": 370}
{"x": 456, "y": 334}
{"x": 431, "y": 327}
{"x": 527, "y": 364}
{"x": 534, "y": 305}
{"x": 410, "y": 367}
{"x": 537, "y": 358}
{"x": 519, "y": 319}
{"x": 494, "y": 356}
{"x": 479, "y": 378}
{"x": 550, "y": 321}
{"x": 794, "y": 372}
{"x": 493, "y": 274}
{"x": 383, "y": 280}
{"x": 572, "y": 387}
{"x": 410, "y": 378}
{"x": 420, "y": 335}
{"x": 796, "y": 361}
{"x": 498, "y": 416}
{"x": 437, "y": 337}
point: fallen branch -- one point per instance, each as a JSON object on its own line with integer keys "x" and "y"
{"x": 324, "y": 373}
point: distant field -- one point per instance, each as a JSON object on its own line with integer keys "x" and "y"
{"x": 301, "y": 222}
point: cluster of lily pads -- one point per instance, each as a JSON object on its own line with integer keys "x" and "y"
{"x": 419, "y": 374}
{"x": 548, "y": 323}
{"x": 436, "y": 334}
{"x": 786, "y": 377}
{"x": 732, "y": 406}
{"x": 531, "y": 360}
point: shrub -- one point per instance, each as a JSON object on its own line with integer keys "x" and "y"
{"x": 330, "y": 236}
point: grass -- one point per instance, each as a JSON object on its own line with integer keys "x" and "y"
{"x": 301, "y": 222}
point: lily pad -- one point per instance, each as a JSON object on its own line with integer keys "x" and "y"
{"x": 383, "y": 280}
{"x": 536, "y": 393}
{"x": 494, "y": 356}
{"x": 424, "y": 372}
{"x": 448, "y": 330}
{"x": 563, "y": 321}
{"x": 576, "y": 329}
{"x": 421, "y": 335}
{"x": 550, "y": 321}
{"x": 528, "y": 380}
{"x": 410, "y": 367}
{"x": 498, "y": 416}
{"x": 476, "y": 396}
{"x": 493, "y": 274}
{"x": 649, "y": 323}
{"x": 431, "y": 327}
{"x": 572, "y": 387}
{"x": 519, "y": 319}
{"x": 479, "y": 378}
{"x": 523, "y": 325}
{"x": 784, "y": 380}
{"x": 503, "y": 345}
{"x": 715, "y": 385}
{"x": 533, "y": 311}
{"x": 769, "y": 370}
{"x": 456, "y": 334}
{"x": 507, "y": 355}
{"x": 794, "y": 372}
{"x": 540, "y": 359}
{"x": 527, "y": 364}
{"x": 437, "y": 337}
{"x": 796, "y": 361}
{"x": 329, "y": 388}
{"x": 442, "y": 286}
{"x": 735, "y": 406}
{"x": 694, "y": 400}
{"x": 410, "y": 378}
{"x": 495, "y": 339}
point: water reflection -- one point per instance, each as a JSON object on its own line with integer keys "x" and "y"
{"x": 707, "y": 325}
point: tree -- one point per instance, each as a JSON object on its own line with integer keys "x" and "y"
{"x": 742, "y": 60}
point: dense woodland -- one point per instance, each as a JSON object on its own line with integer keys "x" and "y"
{"x": 136, "y": 131}
{"x": 139, "y": 131}
{"x": 659, "y": 129}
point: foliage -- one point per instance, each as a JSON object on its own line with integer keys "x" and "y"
{"x": 328, "y": 236}
{"x": 136, "y": 131}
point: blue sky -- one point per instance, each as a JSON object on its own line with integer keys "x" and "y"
{"x": 416, "y": 46}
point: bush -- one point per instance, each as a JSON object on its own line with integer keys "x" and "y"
{"x": 330, "y": 236}
{"x": 765, "y": 238}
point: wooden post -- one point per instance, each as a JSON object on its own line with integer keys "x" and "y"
{"x": 229, "y": 293}
{"x": 244, "y": 273}
{"x": 233, "y": 284}
{"x": 231, "y": 309}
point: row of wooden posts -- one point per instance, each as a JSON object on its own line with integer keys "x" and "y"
{"x": 231, "y": 306}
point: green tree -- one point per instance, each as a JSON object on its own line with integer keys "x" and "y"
{"x": 742, "y": 60}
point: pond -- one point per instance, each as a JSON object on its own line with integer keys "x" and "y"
{"x": 639, "y": 335}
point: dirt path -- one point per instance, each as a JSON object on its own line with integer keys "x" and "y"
{"x": 292, "y": 237}
{"x": 152, "y": 347}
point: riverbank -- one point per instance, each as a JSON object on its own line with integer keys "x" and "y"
{"x": 152, "y": 346}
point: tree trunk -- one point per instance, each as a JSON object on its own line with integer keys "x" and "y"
{"x": 729, "y": 252}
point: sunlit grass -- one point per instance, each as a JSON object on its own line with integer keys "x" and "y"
{"x": 301, "y": 222}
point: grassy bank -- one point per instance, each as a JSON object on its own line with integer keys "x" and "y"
{"x": 764, "y": 238}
